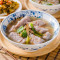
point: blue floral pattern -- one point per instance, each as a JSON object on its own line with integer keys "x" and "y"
{"x": 4, "y": 28}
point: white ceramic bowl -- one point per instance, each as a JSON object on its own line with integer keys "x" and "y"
{"x": 38, "y": 14}
{"x": 52, "y": 9}
{"x": 19, "y": 9}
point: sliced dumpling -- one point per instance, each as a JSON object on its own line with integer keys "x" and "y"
{"x": 47, "y": 36}
{"x": 15, "y": 37}
{"x": 39, "y": 23}
{"x": 40, "y": 29}
{"x": 35, "y": 39}
{"x": 23, "y": 21}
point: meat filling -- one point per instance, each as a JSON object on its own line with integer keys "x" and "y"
{"x": 36, "y": 39}
{"x": 40, "y": 29}
{"x": 15, "y": 37}
{"x": 38, "y": 23}
{"x": 47, "y": 36}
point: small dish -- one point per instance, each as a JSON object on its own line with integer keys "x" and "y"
{"x": 20, "y": 8}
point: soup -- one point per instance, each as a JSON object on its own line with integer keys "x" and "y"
{"x": 47, "y": 2}
{"x": 29, "y": 30}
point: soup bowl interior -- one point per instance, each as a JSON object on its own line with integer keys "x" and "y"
{"x": 38, "y": 14}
